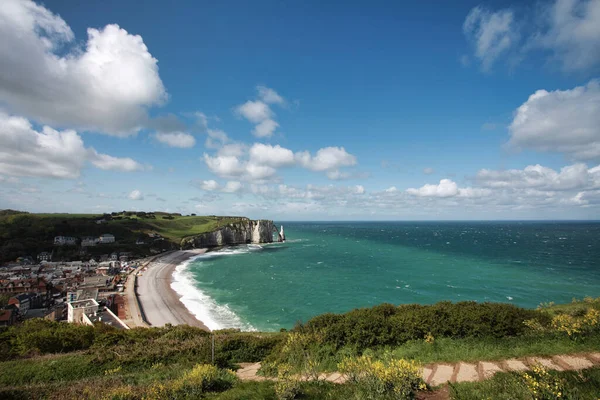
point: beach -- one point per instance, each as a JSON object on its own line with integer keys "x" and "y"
{"x": 159, "y": 303}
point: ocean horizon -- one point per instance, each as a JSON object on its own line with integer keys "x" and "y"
{"x": 337, "y": 266}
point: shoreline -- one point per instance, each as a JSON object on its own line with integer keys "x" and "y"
{"x": 160, "y": 303}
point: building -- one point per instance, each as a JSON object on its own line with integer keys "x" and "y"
{"x": 89, "y": 241}
{"x": 114, "y": 257}
{"x": 22, "y": 302}
{"x": 106, "y": 238}
{"x": 77, "y": 310}
{"x": 88, "y": 312}
{"x": 7, "y": 317}
{"x": 65, "y": 241}
{"x": 44, "y": 256}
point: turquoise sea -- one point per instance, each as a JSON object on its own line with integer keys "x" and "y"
{"x": 339, "y": 266}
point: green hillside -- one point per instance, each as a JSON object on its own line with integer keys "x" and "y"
{"x": 25, "y": 234}
{"x": 42, "y": 359}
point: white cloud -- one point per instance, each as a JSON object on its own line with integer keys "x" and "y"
{"x": 49, "y": 153}
{"x": 492, "y": 33}
{"x": 136, "y": 195}
{"x": 216, "y": 138}
{"x": 568, "y": 30}
{"x": 326, "y": 159}
{"x": 104, "y": 87}
{"x": 232, "y": 187}
{"x": 571, "y": 177}
{"x": 269, "y": 95}
{"x": 265, "y": 128}
{"x": 255, "y": 111}
{"x": 209, "y": 185}
{"x": 260, "y": 113}
{"x": 224, "y": 166}
{"x": 359, "y": 189}
{"x": 176, "y": 139}
{"x": 261, "y": 161}
{"x": 110, "y": 163}
{"x": 572, "y": 33}
{"x": 566, "y": 121}
{"x": 446, "y": 188}
{"x": 258, "y": 172}
{"x": 391, "y": 189}
{"x": 274, "y": 156}
{"x": 428, "y": 171}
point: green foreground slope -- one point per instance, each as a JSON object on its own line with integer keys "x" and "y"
{"x": 43, "y": 359}
{"x": 25, "y": 234}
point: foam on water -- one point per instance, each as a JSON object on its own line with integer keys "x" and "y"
{"x": 203, "y": 307}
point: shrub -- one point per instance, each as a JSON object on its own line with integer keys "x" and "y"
{"x": 390, "y": 325}
{"x": 201, "y": 379}
{"x": 395, "y": 378}
{"x": 576, "y": 326}
{"x": 287, "y": 386}
{"x": 542, "y": 385}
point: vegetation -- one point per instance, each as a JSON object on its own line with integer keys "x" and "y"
{"x": 538, "y": 384}
{"x": 38, "y": 357}
{"x": 24, "y": 234}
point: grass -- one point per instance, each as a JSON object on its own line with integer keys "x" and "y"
{"x": 510, "y": 386}
{"x": 454, "y": 350}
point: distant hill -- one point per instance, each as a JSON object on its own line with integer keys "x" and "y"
{"x": 26, "y": 234}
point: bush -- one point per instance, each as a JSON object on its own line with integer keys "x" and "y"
{"x": 395, "y": 378}
{"x": 201, "y": 379}
{"x": 542, "y": 385}
{"x": 387, "y": 324}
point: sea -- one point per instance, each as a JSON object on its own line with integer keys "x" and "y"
{"x": 339, "y": 266}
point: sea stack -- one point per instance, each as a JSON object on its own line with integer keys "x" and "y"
{"x": 281, "y": 235}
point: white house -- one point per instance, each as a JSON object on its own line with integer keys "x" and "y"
{"x": 89, "y": 241}
{"x": 44, "y": 256}
{"x": 106, "y": 238}
{"x": 65, "y": 241}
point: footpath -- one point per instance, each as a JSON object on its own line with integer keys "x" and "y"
{"x": 440, "y": 373}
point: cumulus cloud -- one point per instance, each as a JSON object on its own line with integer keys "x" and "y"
{"x": 260, "y": 113}
{"x": 446, "y": 188}
{"x": 568, "y": 31}
{"x": 261, "y": 161}
{"x": 176, "y": 139}
{"x": 209, "y": 185}
{"x": 565, "y": 121}
{"x": 492, "y": 33}
{"x": 49, "y": 153}
{"x": 136, "y": 195}
{"x": 576, "y": 176}
{"x": 273, "y": 156}
{"x": 105, "y": 86}
{"x": 224, "y": 166}
{"x": 232, "y": 187}
{"x": 269, "y": 95}
{"x": 326, "y": 159}
{"x": 110, "y": 163}
{"x": 571, "y": 33}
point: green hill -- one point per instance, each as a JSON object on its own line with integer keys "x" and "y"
{"x": 24, "y": 234}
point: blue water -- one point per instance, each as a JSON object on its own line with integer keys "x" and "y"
{"x": 336, "y": 267}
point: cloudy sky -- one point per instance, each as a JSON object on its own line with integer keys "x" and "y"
{"x": 302, "y": 110}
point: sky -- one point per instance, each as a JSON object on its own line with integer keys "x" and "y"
{"x": 312, "y": 110}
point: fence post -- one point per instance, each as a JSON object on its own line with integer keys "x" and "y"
{"x": 213, "y": 348}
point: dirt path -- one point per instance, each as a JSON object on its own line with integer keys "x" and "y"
{"x": 441, "y": 373}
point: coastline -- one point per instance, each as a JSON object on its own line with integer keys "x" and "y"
{"x": 160, "y": 303}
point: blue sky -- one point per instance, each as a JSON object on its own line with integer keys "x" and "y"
{"x": 302, "y": 111}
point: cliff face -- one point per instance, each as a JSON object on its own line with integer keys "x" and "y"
{"x": 243, "y": 232}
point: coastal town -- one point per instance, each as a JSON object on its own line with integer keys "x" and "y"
{"x": 82, "y": 292}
